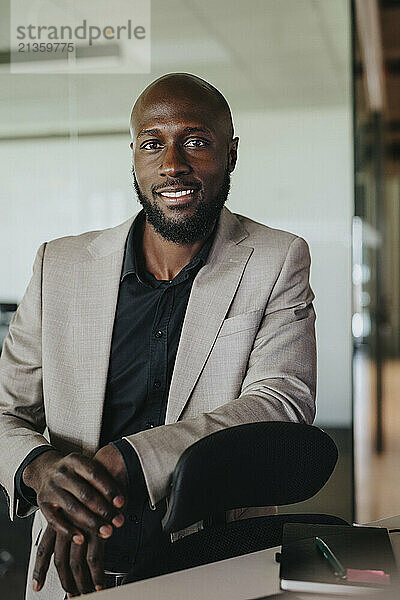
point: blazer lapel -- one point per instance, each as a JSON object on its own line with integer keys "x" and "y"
{"x": 212, "y": 293}
{"x": 96, "y": 283}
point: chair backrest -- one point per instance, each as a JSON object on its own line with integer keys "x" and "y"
{"x": 255, "y": 464}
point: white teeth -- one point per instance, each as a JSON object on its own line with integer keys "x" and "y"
{"x": 177, "y": 194}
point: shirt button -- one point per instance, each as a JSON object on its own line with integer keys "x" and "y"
{"x": 134, "y": 518}
{"x": 157, "y": 383}
{"x": 158, "y": 334}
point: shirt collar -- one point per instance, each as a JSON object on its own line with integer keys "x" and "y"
{"x": 130, "y": 259}
{"x": 130, "y": 263}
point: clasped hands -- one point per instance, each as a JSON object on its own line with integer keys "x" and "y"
{"x": 81, "y": 499}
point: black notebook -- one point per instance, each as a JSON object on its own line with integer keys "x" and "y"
{"x": 364, "y": 553}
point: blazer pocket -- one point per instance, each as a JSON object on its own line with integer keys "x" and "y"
{"x": 242, "y": 322}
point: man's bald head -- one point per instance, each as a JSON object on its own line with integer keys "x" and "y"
{"x": 187, "y": 90}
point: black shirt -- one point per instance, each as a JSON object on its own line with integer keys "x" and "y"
{"x": 147, "y": 328}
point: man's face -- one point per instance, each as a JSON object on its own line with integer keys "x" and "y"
{"x": 182, "y": 160}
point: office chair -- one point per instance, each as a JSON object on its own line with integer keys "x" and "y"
{"x": 256, "y": 464}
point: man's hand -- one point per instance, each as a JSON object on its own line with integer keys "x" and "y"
{"x": 112, "y": 460}
{"x": 76, "y": 494}
{"x": 80, "y": 566}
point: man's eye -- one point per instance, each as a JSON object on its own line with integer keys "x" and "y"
{"x": 151, "y": 145}
{"x": 196, "y": 143}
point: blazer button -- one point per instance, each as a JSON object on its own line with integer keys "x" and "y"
{"x": 158, "y": 334}
{"x": 157, "y": 383}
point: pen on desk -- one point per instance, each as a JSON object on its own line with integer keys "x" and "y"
{"x": 327, "y": 553}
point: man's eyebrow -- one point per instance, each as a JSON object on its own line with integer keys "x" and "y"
{"x": 157, "y": 131}
{"x": 148, "y": 132}
{"x": 194, "y": 129}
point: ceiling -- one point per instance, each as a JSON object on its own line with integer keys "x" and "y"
{"x": 263, "y": 55}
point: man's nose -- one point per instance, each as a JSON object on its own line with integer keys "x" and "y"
{"x": 174, "y": 163}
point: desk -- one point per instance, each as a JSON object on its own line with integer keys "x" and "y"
{"x": 241, "y": 578}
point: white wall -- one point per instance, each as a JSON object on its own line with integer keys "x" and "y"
{"x": 52, "y": 188}
{"x": 295, "y": 173}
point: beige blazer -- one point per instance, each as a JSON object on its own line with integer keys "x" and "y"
{"x": 246, "y": 353}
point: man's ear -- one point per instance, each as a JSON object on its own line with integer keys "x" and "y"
{"x": 233, "y": 149}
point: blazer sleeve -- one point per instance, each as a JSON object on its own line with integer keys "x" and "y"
{"x": 282, "y": 389}
{"x": 22, "y": 417}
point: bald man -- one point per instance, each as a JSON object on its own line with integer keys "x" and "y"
{"x": 132, "y": 343}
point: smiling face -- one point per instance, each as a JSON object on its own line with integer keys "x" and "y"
{"x": 183, "y": 154}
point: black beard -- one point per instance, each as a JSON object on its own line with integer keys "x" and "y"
{"x": 193, "y": 228}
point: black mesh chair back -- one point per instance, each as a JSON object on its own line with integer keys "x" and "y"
{"x": 256, "y": 464}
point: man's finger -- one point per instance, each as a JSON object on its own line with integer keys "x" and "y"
{"x": 43, "y": 555}
{"x": 89, "y": 496}
{"x": 99, "y": 477}
{"x": 95, "y": 561}
{"x": 80, "y": 569}
{"x": 61, "y": 561}
{"x": 60, "y": 524}
{"x": 77, "y": 514}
